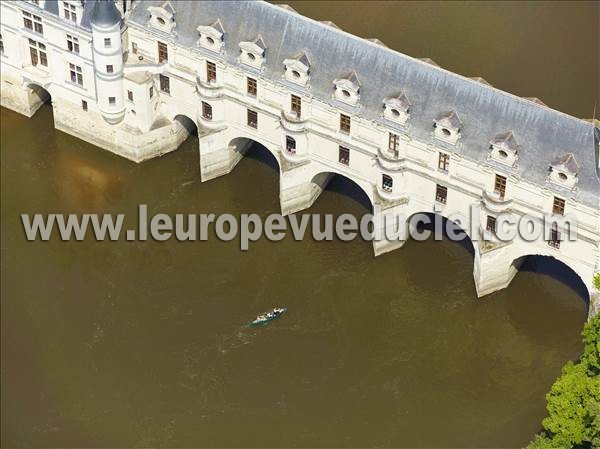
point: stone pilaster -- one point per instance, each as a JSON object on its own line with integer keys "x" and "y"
{"x": 393, "y": 232}
{"x": 217, "y": 157}
{"x": 493, "y": 268}
{"x": 298, "y": 191}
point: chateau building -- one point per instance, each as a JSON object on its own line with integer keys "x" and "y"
{"x": 134, "y": 77}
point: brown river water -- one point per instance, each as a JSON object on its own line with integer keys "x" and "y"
{"x": 144, "y": 343}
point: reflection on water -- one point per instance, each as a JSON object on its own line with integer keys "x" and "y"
{"x": 83, "y": 186}
{"x": 145, "y": 343}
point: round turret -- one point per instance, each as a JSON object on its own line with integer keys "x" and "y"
{"x": 108, "y": 60}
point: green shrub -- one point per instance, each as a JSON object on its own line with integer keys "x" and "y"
{"x": 573, "y": 402}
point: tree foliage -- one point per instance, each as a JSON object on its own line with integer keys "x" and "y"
{"x": 573, "y": 402}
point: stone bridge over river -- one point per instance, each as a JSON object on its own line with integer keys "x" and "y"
{"x": 135, "y": 79}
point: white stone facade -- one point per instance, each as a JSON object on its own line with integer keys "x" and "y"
{"x": 154, "y": 79}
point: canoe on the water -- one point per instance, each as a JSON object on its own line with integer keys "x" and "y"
{"x": 265, "y": 318}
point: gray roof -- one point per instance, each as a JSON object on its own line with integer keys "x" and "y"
{"x": 51, "y": 6}
{"x": 303, "y": 58}
{"x": 260, "y": 42}
{"x": 506, "y": 140}
{"x": 449, "y": 119}
{"x": 105, "y": 13}
{"x": 353, "y": 78}
{"x": 217, "y": 25}
{"x": 544, "y": 134}
{"x": 568, "y": 161}
{"x": 480, "y": 80}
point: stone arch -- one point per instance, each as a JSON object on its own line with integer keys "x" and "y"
{"x": 187, "y": 123}
{"x": 558, "y": 269}
{"x": 37, "y": 96}
{"x": 445, "y": 224}
{"x": 247, "y": 146}
{"x": 332, "y": 180}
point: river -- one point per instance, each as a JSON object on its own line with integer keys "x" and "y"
{"x": 143, "y": 343}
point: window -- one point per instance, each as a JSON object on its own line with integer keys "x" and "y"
{"x": 163, "y": 52}
{"x": 151, "y": 91}
{"x": 387, "y": 182}
{"x": 1, "y": 45}
{"x": 72, "y": 44}
{"x": 393, "y": 142}
{"x": 84, "y": 105}
{"x": 27, "y": 21}
{"x": 554, "y": 241}
{"x": 491, "y": 224}
{"x": 165, "y": 84}
{"x": 134, "y": 48}
{"x": 37, "y": 51}
{"x": 211, "y": 72}
{"x": 500, "y": 186}
{"x": 251, "y": 87}
{"x": 441, "y": 194}
{"x": 344, "y": 156}
{"x": 444, "y": 161}
{"x": 33, "y": 22}
{"x": 206, "y": 111}
{"x": 558, "y": 207}
{"x": 107, "y": 43}
{"x": 109, "y": 69}
{"x": 130, "y": 95}
{"x": 70, "y": 12}
{"x": 296, "y": 105}
{"x": 252, "y": 119}
{"x": 344, "y": 123}
{"x": 290, "y": 144}
{"x": 112, "y": 100}
{"x": 76, "y": 74}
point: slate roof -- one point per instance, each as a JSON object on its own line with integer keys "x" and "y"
{"x": 568, "y": 161}
{"x": 401, "y": 100}
{"x": 506, "y": 140}
{"x": 105, "y": 13}
{"x": 449, "y": 119}
{"x": 544, "y": 134}
{"x": 51, "y": 6}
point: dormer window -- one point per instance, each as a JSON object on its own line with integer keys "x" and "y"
{"x": 70, "y": 11}
{"x": 211, "y": 36}
{"x": 163, "y": 17}
{"x": 563, "y": 171}
{"x": 396, "y": 109}
{"x": 253, "y": 52}
{"x": 347, "y": 89}
{"x": 297, "y": 69}
{"x": 504, "y": 149}
{"x": 447, "y": 127}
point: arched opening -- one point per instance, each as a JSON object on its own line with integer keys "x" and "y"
{"x": 441, "y": 228}
{"x": 556, "y": 269}
{"x": 38, "y": 96}
{"x": 255, "y": 151}
{"x": 188, "y": 124}
{"x": 343, "y": 185}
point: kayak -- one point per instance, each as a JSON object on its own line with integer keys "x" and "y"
{"x": 265, "y": 318}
